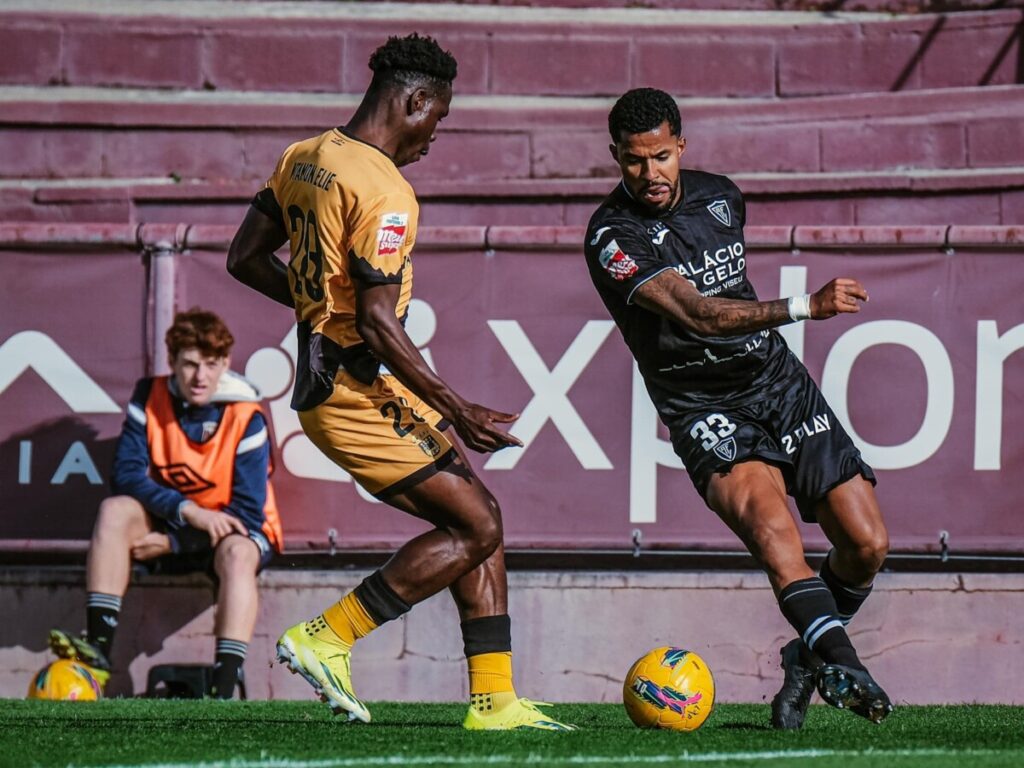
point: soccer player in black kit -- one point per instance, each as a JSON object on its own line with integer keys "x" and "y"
{"x": 666, "y": 253}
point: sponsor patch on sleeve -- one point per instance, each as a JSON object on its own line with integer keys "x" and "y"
{"x": 391, "y": 235}
{"x": 616, "y": 263}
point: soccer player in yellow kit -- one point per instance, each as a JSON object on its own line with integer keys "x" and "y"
{"x": 364, "y": 394}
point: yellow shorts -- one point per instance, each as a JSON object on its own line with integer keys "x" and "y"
{"x": 382, "y": 434}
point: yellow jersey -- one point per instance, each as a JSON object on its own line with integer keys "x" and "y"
{"x": 349, "y": 215}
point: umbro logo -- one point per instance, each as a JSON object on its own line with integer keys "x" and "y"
{"x": 183, "y": 478}
{"x": 720, "y": 210}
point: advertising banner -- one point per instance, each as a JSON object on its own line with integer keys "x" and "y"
{"x": 926, "y": 378}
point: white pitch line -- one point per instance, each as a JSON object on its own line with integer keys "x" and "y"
{"x": 546, "y": 760}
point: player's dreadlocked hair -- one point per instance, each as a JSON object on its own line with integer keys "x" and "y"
{"x": 412, "y": 60}
{"x": 642, "y": 110}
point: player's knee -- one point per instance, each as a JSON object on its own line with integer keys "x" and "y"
{"x": 236, "y": 556}
{"x": 486, "y": 532}
{"x": 872, "y": 551}
{"x": 119, "y": 517}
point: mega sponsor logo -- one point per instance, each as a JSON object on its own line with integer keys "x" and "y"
{"x": 616, "y": 263}
{"x": 392, "y": 232}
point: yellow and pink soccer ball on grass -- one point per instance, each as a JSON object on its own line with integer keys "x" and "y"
{"x": 669, "y": 688}
{"x": 65, "y": 680}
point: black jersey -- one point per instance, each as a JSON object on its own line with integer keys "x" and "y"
{"x": 701, "y": 238}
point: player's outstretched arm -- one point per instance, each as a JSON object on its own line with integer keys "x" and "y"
{"x": 251, "y": 258}
{"x": 379, "y": 327}
{"x": 673, "y": 296}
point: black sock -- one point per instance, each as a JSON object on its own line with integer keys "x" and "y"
{"x": 101, "y": 613}
{"x": 848, "y": 598}
{"x": 809, "y": 606}
{"x": 379, "y": 599}
{"x": 489, "y": 634}
{"x": 226, "y": 667}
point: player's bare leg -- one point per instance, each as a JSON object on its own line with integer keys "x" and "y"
{"x": 850, "y": 517}
{"x": 481, "y": 596}
{"x": 467, "y": 531}
{"x": 236, "y": 562}
{"x": 121, "y": 522}
{"x": 751, "y": 499}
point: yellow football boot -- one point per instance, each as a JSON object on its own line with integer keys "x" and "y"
{"x": 67, "y": 646}
{"x": 521, "y": 713}
{"x": 309, "y": 650}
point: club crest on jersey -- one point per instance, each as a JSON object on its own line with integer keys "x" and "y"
{"x": 726, "y": 449}
{"x": 720, "y": 210}
{"x": 616, "y": 263}
{"x": 391, "y": 235}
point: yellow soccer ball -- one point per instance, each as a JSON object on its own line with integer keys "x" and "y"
{"x": 65, "y": 680}
{"x": 669, "y": 688}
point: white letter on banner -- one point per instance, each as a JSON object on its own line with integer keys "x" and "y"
{"x": 993, "y": 349}
{"x": 549, "y": 388}
{"x": 793, "y": 282}
{"x": 647, "y": 452}
{"x": 938, "y": 372}
{"x": 76, "y": 461}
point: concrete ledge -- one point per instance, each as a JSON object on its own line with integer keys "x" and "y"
{"x": 180, "y": 237}
{"x": 929, "y": 638}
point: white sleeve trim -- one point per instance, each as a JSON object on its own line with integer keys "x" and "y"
{"x": 629, "y": 299}
{"x": 136, "y": 414}
{"x": 252, "y": 442}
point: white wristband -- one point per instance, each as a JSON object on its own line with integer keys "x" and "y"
{"x": 799, "y": 307}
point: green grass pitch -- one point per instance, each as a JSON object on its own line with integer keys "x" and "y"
{"x": 285, "y": 734}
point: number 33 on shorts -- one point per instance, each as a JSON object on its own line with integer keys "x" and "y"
{"x": 715, "y": 433}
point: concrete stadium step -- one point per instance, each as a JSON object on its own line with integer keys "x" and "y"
{"x": 887, "y": 6}
{"x": 982, "y": 196}
{"x": 196, "y": 135}
{"x": 318, "y": 46}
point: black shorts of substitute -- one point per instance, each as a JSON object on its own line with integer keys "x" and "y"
{"x": 197, "y": 556}
{"x": 787, "y": 424}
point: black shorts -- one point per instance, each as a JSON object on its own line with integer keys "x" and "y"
{"x": 787, "y": 424}
{"x": 197, "y": 554}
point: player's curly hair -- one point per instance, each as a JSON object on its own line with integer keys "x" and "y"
{"x": 199, "y": 329}
{"x": 413, "y": 60}
{"x": 641, "y": 110}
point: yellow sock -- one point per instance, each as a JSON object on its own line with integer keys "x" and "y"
{"x": 349, "y": 619}
{"x": 490, "y": 681}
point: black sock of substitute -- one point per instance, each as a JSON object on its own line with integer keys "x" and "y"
{"x": 101, "y": 616}
{"x": 227, "y": 663}
{"x": 809, "y": 606}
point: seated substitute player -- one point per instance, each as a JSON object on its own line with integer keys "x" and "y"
{"x": 364, "y": 394}
{"x": 191, "y": 492}
{"x": 665, "y": 251}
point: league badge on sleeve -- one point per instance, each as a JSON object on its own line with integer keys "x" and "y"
{"x": 720, "y": 210}
{"x": 391, "y": 235}
{"x": 616, "y": 263}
